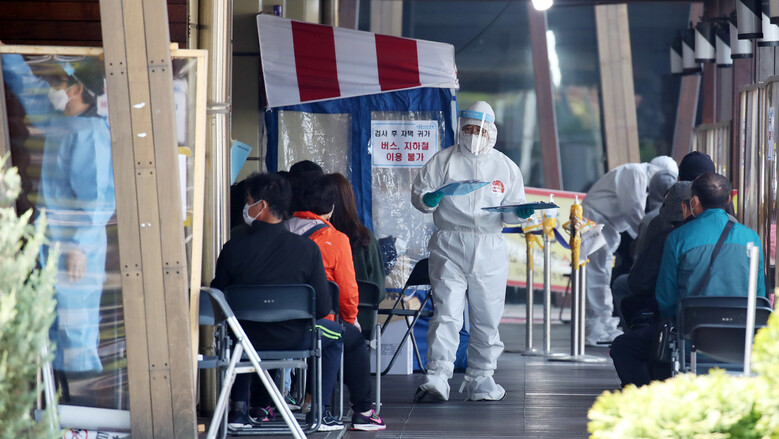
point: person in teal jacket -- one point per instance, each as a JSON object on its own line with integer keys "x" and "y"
{"x": 76, "y": 192}
{"x": 686, "y": 257}
{"x": 688, "y": 250}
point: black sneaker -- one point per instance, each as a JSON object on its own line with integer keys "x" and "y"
{"x": 330, "y": 423}
{"x": 237, "y": 419}
{"x": 372, "y": 422}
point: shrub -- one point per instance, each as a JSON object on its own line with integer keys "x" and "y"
{"x": 26, "y": 313}
{"x": 713, "y": 406}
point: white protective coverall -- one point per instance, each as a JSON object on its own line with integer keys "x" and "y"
{"x": 618, "y": 201}
{"x": 468, "y": 256}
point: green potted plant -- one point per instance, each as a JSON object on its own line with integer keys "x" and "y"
{"x": 716, "y": 405}
{"x": 26, "y": 313}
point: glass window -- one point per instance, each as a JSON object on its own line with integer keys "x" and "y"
{"x": 60, "y": 140}
{"x": 657, "y": 91}
{"x": 494, "y": 63}
{"x": 575, "y": 69}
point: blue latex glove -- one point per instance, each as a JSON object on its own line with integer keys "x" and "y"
{"x": 431, "y": 199}
{"x": 524, "y": 212}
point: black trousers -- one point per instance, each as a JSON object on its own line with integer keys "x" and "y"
{"x": 631, "y": 353}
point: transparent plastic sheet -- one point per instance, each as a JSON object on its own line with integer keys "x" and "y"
{"x": 184, "y": 93}
{"x": 393, "y": 214}
{"x": 35, "y": 128}
{"x": 323, "y": 138}
{"x": 64, "y": 160}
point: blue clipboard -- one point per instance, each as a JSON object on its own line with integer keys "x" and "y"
{"x": 512, "y": 207}
{"x": 462, "y": 187}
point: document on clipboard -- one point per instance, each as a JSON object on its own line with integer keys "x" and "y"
{"x": 462, "y": 187}
{"x": 512, "y": 207}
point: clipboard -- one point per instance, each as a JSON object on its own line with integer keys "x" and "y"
{"x": 462, "y": 187}
{"x": 540, "y": 205}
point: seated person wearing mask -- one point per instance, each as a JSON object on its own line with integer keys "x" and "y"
{"x": 640, "y": 282}
{"x": 642, "y": 279}
{"x": 685, "y": 262}
{"x": 269, "y": 254}
{"x": 317, "y": 203}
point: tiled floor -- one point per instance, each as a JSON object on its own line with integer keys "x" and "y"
{"x": 545, "y": 399}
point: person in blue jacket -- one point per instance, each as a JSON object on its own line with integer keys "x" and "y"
{"x": 688, "y": 250}
{"x": 76, "y": 193}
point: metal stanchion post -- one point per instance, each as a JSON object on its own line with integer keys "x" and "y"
{"x": 549, "y": 224}
{"x": 582, "y": 304}
{"x": 547, "y": 294}
{"x": 529, "y": 349}
{"x": 578, "y": 293}
{"x": 576, "y": 245}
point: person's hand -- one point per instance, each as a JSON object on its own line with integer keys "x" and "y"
{"x": 524, "y": 212}
{"x": 357, "y": 325}
{"x": 431, "y": 199}
{"x": 76, "y": 265}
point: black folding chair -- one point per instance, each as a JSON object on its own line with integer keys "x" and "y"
{"x": 419, "y": 276}
{"x": 716, "y": 326}
{"x": 265, "y": 304}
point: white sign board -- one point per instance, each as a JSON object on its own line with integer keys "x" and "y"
{"x": 403, "y": 143}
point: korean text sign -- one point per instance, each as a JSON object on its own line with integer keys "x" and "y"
{"x": 403, "y": 143}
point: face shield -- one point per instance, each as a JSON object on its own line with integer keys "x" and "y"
{"x": 477, "y": 131}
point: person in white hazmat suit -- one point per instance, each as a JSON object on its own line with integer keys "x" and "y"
{"x": 618, "y": 201}
{"x": 468, "y": 254}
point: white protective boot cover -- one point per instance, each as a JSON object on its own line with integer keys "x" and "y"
{"x": 435, "y": 388}
{"x": 482, "y": 388}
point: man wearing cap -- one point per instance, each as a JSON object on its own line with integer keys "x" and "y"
{"x": 468, "y": 254}
{"x": 630, "y": 350}
{"x": 640, "y": 283}
{"x": 642, "y": 278}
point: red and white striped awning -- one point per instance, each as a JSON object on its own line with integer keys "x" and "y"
{"x": 305, "y": 62}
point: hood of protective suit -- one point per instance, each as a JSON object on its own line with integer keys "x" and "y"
{"x": 479, "y": 114}
{"x": 665, "y": 163}
{"x": 658, "y": 186}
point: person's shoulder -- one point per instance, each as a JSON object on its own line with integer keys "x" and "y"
{"x": 747, "y": 234}
{"x": 443, "y": 154}
{"x": 338, "y": 236}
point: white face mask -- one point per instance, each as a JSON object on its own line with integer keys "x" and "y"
{"x": 59, "y": 99}
{"x": 473, "y": 142}
{"x": 248, "y": 219}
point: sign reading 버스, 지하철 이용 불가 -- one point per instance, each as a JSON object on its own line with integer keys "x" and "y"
{"x": 403, "y": 143}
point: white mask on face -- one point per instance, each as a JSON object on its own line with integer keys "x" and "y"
{"x": 473, "y": 142}
{"x": 59, "y": 99}
{"x": 248, "y": 219}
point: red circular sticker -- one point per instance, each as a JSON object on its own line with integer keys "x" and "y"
{"x": 497, "y": 187}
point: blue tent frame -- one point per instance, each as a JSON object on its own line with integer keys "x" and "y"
{"x": 360, "y": 108}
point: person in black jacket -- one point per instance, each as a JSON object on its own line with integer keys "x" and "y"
{"x": 269, "y": 254}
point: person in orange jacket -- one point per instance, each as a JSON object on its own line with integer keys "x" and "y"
{"x": 317, "y": 203}
{"x": 315, "y": 207}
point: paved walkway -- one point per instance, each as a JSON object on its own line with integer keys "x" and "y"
{"x": 545, "y": 399}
